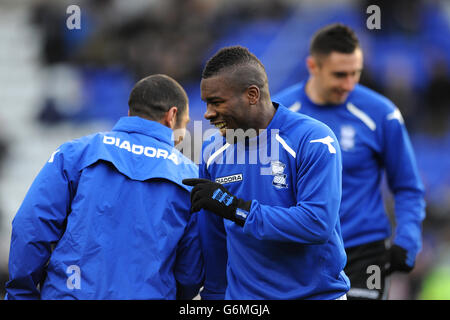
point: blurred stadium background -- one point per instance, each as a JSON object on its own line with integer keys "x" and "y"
{"x": 58, "y": 84}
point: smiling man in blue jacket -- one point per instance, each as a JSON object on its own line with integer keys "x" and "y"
{"x": 107, "y": 217}
{"x": 269, "y": 200}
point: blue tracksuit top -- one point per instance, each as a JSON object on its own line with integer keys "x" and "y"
{"x": 107, "y": 217}
{"x": 374, "y": 141}
{"x": 290, "y": 246}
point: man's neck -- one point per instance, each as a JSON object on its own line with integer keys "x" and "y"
{"x": 267, "y": 113}
{"x": 312, "y": 92}
{"x": 264, "y": 117}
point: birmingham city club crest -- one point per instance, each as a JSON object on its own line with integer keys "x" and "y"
{"x": 279, "y": 177}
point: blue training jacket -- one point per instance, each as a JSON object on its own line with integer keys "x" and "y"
{"x": 107, "y": 217}
{"x": 373, "y": 140}
{"x": 290, "y": 246}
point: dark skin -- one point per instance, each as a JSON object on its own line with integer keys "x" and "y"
{"x": 237, "y": 99}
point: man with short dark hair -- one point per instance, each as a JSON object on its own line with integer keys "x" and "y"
{"x": 374, "y": 141}
{"x": 269, "y": 228}
{"x": 107, "y": 217}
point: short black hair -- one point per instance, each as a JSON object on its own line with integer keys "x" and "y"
{"x": 154, "y": 95}
{"x": 335, "y": 37}
{"x": 246, "y": 69}
{"x": 229, "y": 57}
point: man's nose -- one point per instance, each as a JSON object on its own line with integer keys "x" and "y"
{"x": 348, "y": 83}
{"x": 209, "y": 114}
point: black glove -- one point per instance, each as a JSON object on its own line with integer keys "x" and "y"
{"x": 216, "y": 198}
{"x": 397, "y": 258}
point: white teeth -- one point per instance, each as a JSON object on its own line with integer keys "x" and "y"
{"x": 220, "y": 125}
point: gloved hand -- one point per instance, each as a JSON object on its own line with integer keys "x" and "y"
{"x": 216, "y": 198}
{"x": 397, "y": 257}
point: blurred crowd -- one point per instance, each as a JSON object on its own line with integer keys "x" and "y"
{"x": 119, "y": 43}
{"x": 92, "y": 69}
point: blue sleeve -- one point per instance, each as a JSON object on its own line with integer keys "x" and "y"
{"x": 405, "y": 183}
{"x": 318, "y": 191}
{"x": 189, "y": 267}
{"x": 214, "y": 248}
{"x": 38, "y": 224}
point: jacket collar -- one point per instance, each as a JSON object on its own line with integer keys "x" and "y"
{"x": 147, "y": 127}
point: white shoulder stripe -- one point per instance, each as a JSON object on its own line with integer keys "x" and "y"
{"x": 295, "y": 107}
{"x": 285, "y": 145}
{"x": 327, "y": 141}
{"x": 361, "y": 116}
{"x": 215, "y": 154}
{"x": 52, "y": 157}
{"x": 396, "y": 115}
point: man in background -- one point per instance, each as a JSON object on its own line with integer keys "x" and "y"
{"x": 374, "y": 141}
{"x": 107, "y": 217}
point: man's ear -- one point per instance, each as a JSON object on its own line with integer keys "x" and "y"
{"x": 312, "y": 65}
{"x": 253, "y": 94}
{"x": 170, "y": 117}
